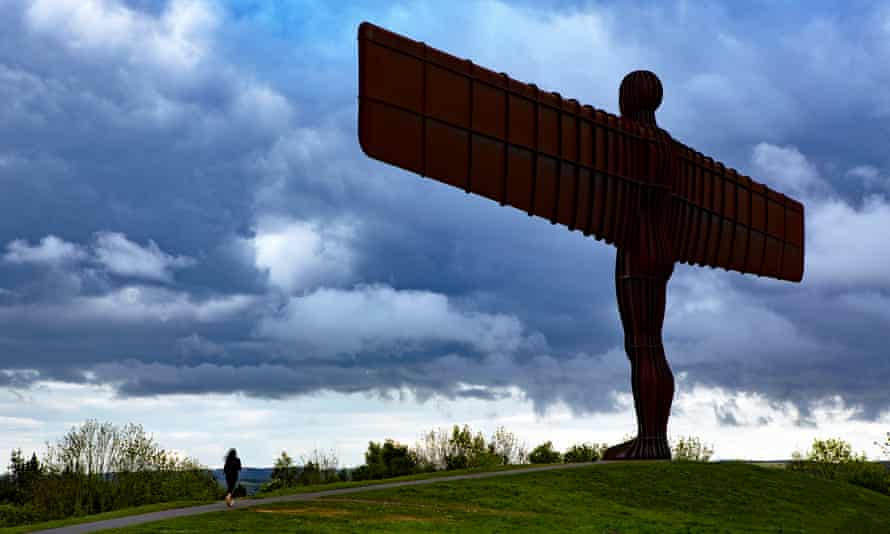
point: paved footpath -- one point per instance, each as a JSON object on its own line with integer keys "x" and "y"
{"x": 243, "y": 503}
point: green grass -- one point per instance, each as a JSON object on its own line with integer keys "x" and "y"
{"x": 22, "y": 529}
{"x": 610, "y": 498}
{"x": 136, "y": 510}
{"x": 421, "y": 476}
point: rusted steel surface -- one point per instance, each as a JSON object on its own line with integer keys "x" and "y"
{"x": 448, "y": 119}
{"x": 725, "y": 219}
{"x": 621, "y": 179}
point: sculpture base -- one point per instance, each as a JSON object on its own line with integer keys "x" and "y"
{"x": 640, "y": 449}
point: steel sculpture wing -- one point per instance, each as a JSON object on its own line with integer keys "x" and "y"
{"x": 448, "y": 119}
{"x": 725, "y": 219}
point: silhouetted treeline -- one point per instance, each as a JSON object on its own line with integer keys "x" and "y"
{"x": 318, "y": 468}
{"x": 98, "y": 468}
{"x": 437, "y": 450}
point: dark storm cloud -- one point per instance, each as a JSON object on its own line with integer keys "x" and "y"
{"x": 258, "y": 249}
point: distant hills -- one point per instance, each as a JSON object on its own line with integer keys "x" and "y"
{"x": 249, "y": 477}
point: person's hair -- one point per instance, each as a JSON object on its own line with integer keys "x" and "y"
{"x": 232, "y": 454}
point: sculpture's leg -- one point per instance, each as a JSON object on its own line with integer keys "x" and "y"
{"x": 641, "y": 284}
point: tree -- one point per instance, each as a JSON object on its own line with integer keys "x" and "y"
{"x": 137, "y": 452}
{"x": 833, "y": 451}
{"x": 398, "y": 459}
{"x": 466, "y": 450}
{"x": 389, "y": 459}
{"x": 95, "y": 449}
{"x": 544, "y": 454}
{"x": 690, "y": 449}
{"x": 22, "y": 475}
{"x": 432, "y": 449}
{"x": 343, "y": 474}
{"x": 284, "y": 472}
{"x": 319, "y": 467}
{"x": 507, "y": 448}
{"x": 374, "y": 467}
{"x": 310, "y": 474}
{"x": 76, "y": 452}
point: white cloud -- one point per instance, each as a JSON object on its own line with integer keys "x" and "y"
{"x": 709, "y": 319}
{"x": 156, "y": 64}
{"x": 131, "y": 304}
{"x": 259, "y": 104}
{"x": 331, "y": 321}
{"x": 174, "y": 43}
{"x": 50, "y": 250}
{"x": 846, "y": 247}
{"x": 300, "y": 255}
{"x": 786, "y": 170}
{"x": 111, "y": 250}
{"x": 139, "y": 303}
{"x": 123, "y": 257}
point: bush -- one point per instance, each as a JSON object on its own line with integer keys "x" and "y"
{"x": 873, "y": 476}
{"x": 461, "y": 449}
{"x": 833, "y": 451}
{"x": 690, "y": 449}
{"x": 833, "y": 459}
{"x": 584, "y": 452}
{"x": 18, "y": 514}
{"x": 390, "y": 459}
{"x": 284, "y": 473}
{"x": 544, "y": 454}
{"x": 7, "y": 489}
{"x": 319, "y": 468}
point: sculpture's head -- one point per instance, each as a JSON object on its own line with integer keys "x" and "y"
{"x": 639, "y": 96}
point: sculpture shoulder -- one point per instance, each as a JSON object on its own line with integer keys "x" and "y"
{"x": 665, "y": 135}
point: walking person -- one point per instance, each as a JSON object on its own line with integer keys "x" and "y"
{"x": 233, "y": 465}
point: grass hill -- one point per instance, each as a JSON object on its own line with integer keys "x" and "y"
{"x": 608, "y": 498}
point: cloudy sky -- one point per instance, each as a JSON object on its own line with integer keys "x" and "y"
{"x": 191, "y": 238}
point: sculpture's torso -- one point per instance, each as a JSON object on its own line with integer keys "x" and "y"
{"x": 648, "y": 250}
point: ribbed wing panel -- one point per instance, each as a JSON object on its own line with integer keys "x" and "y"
{"x": 724, "y": 219}
{"x": 447, "y": 119}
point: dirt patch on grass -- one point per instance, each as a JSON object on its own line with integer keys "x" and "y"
{"x": 392, "y": 518}
{"x": 351, "y": 514}
{"x": 443, "y": 507}
{"x": 308, "y": 510}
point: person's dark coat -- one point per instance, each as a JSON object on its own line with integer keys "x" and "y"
{"x": 233, "y": 465}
